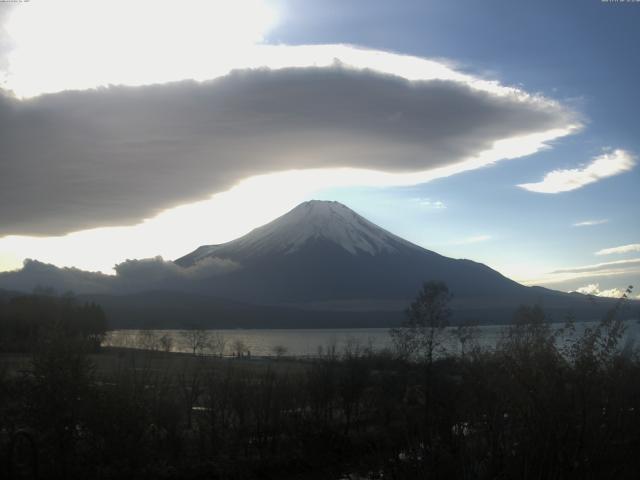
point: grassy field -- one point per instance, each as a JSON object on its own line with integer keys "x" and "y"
{"x": 111, "y": 360}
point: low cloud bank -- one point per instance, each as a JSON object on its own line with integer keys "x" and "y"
{"x": 35, "y": 274}
{"x": 131, "y": 276}
{"x": 594, "y": 289}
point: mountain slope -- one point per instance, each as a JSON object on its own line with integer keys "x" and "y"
{"x": 324, "y": 254}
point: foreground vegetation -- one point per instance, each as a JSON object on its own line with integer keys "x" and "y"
{"x": 26, "y": 321}
{"x": 531, "y": 408}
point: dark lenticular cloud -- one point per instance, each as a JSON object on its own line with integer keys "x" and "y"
{"x": 114, "y": 156}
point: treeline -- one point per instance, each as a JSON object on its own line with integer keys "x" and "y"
{"x": 28, "y": 320}
{"x": 522, "y": 411}
{"x": 532, "y": 408}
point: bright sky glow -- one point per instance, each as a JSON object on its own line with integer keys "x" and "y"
{"x": 80, "y": 44}
{"x": 83, "y": 44}
{"x": 475, "y": 239}
{"x": 69, "y": 44}
{"x": 206, "y": 42}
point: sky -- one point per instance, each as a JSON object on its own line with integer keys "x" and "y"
{"x": 504, "y": 132}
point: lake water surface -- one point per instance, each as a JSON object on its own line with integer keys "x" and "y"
{"x": 312, "y": 342}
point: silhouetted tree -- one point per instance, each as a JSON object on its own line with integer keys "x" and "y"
{"x": 279, "y": 351}
{"x": 27, "y": 319}
{"x": 427, "y": 317}
{"x": 196, "y": 340}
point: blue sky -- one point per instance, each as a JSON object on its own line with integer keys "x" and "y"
{"x": 582, "y": 53}
{"x": 162, "y": 156}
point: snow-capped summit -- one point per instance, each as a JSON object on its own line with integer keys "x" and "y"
{"x": 315, "y": 220}
{"x": 325, "y": 220}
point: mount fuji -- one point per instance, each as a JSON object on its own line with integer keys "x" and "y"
{"x": 324, "y": 253}
{"x": 323, "y": 256}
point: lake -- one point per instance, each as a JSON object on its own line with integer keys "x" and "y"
{"x": 312, "y": 342}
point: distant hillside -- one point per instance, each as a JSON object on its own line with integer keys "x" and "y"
{"x": 183, "y": 310}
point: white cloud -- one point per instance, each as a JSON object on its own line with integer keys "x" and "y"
{"x": 590, "y": 223}
{"x": 632, "y": 262}
{"x": 594, "y": 289}
{"x": 612, "y": 293}
{"x": 603, "y": 166}
{"x": 634, "y": 247}
{"x": 591, "y": 289}
{"x": 629, "y": 267}
{"x": 433, "y": 204}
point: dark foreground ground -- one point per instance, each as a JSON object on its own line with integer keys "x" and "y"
{"x": 527, "y": 410}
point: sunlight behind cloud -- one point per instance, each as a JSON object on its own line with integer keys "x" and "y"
{"x": 71, "y": 45}
{"x": 230, "y": 214}
{"x": 207, "y": 222}
{"x": 225, "y": 216}
{"x": 66, "y": 45}
{"x": 80, "y": 44}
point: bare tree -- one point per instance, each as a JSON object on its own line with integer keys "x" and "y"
{"x": 427, "y": 316}
{"x": 239, "y": 347}
{"x": 467, "y": 333}
{"x": 352, "y": 348}
{"x": 196, "y": 340}
{"x": 166, "y": 343}
{"x": 148, "y": 340}
{"x": 279, "y": 351}
{"x": 217, "y": 344}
